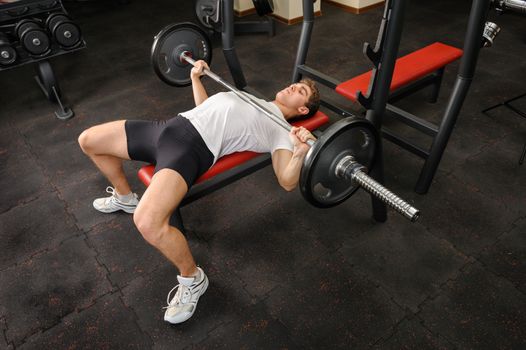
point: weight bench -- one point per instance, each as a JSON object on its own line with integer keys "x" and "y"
{"x": 412, "y": 72}
{"x": 228, "y": 169}
{"x": 421, "y": 67}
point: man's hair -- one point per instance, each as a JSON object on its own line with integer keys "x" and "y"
{"x": 313, "y": 104}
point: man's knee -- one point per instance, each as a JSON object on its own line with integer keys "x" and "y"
{"x": 85, "y": 140}
{"x": 150, "y": 228}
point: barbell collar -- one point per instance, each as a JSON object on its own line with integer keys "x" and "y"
{"x": 347, "y": 166}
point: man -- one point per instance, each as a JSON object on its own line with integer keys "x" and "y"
{"x": 182, "y": 149}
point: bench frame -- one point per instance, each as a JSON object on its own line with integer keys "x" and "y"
{"x": 385, "y": 52}
{"x": 433, "y": 79}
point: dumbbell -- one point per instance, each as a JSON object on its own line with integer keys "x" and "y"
{"x": 7, "y": 52}
{"x": 65, "y": 32}
{"x": 32, "y": 37}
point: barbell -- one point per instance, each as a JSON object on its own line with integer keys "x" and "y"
{"x": 336, "y": 164}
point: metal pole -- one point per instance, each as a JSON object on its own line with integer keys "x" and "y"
{"x": 229, "y": 51}
{"x": 472, "y": 45}
{"x": 306, "y": 31}
{"x": 395, "y": 18}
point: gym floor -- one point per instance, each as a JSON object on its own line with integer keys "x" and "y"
{"x": 282, "y": 274}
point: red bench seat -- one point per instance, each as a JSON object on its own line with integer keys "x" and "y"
{"x": 408, "y": 68}
{"x": 232, "y": 160}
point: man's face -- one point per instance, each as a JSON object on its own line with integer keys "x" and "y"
{"x": 295, "y": 96}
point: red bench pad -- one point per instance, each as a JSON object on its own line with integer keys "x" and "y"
{"x": 407, "y": 69}
{"x": 232, "y": 160}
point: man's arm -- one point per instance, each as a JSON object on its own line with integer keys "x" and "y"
{"x": 198, "y": 89}
{"x": 287, "y": 165}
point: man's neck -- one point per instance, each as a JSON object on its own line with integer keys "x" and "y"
{"x": 284, "y": 110}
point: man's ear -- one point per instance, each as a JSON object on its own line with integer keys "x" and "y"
{"x": 303, "y": 110}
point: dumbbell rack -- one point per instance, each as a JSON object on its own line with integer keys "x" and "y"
{"x": 38, "y": 11}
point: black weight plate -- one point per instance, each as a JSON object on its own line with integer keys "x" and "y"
{"x": 207, "y": 8}
{"x": 54, "y": 18}
{"x": 22, "y": 25}
{"x": 36, "y": 42}
{"x": 7, "y": 55}
{"x": 263, "y": 7}
{"x": 47, "y": 78}
{"x": 318, "y": 181}
{"x": 67, "y": 34}
{"x": 170, "y": 43}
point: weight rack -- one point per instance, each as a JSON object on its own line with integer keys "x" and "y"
{"x": 38, "y": 11}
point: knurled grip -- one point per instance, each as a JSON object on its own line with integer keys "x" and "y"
{"x": 386, "y": 196}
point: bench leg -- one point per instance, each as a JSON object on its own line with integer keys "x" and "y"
{"x": 440, "y": 141}
{"x": 176, "y": 220}
{"x": 433, "y": 97}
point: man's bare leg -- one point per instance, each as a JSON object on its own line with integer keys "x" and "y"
{"x": 107, "y": 147}
{"x": 152, "y": 218}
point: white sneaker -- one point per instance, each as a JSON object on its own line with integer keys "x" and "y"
{"x": 113, "y": 204}
{"x": 184, "y": 302}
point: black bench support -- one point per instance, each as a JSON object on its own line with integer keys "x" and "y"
{"x": 472, "y": 45}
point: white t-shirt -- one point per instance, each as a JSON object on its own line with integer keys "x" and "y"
{"x": 228, "y": 124}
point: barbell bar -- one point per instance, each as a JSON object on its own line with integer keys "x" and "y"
{"x": 346, "y": 168}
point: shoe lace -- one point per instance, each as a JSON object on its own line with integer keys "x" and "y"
{"x": 182, "y": 296}
{"x": 111, "y": 190}
{"x": 113, "y": 199}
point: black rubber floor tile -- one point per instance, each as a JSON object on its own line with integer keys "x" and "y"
{"x": 80, "y": 197}
{"x": 496, "y": 173}
{"x": 463, "y": 216}
{"x": 405, "y": 259}
{"x": 478, "y": 311}
{"x": 225, "y": 301}
{"x": 411, "y": 334}
{"x": 3, "y": 340}
{"x": 33, "y": 227}
{"x": 267, "y": 249}
{"x": 401, "y": 172}
{"x": 507, "y": 257}
{"x": 105, "y": 325}
{"x": 332, "y": 226}
{"x": 36, "y": 294}
{"x": 50, "y": 140}
{"x": 74, "y": 168}
{"x": 22, "y": 99}
{"x": 328, "y": 305}
{"x": 123, "y": 250}
{"x": 44, "y": 130}
{"x": 220, "y": 210}
{"x": 18, "y": 166}
{"x": 255, "y": 329}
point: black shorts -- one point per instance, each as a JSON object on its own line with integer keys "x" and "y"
{"x": 174, "y": 144}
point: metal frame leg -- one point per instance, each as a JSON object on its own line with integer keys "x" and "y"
{"x": 176, "y": 220}
{"x": 433, "y": 97}
{"x": 476, "y": 24}
{"x": 47, "y": 82}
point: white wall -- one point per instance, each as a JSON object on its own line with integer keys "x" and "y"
{"x": 290, "y": 9}
{"x": 357, "y": 4}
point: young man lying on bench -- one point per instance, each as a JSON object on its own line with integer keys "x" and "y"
{"x": 182, "y": 149}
